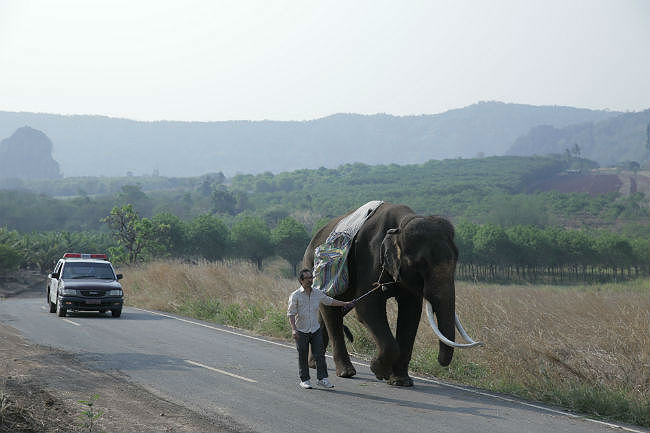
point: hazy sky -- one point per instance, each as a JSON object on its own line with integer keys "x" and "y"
{"x": 295, "y": 60}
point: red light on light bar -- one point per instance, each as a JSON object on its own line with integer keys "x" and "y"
{"x": 85, "y": 256}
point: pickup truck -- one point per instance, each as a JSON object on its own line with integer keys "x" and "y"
{"x": 84, "y": 282}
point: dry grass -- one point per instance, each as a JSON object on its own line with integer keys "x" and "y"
{"x": 166, "y": 285}
{"x": 558, "y": 334}
{"x": 586, "y": 348}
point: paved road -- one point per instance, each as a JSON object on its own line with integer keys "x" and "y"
{"x": 219, "y": 370}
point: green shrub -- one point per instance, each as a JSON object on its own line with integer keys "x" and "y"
{"x": 10, "y": 259}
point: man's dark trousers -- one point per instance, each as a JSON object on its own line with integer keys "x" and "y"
{"x": 317, "y": 349}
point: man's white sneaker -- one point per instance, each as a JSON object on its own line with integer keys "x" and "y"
{"x": 306, "y": 384}
{"x": 325, "y": 383}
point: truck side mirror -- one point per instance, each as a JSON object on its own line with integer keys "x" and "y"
{"x": 119, "y": 276}
{"x": 54, "y": 275}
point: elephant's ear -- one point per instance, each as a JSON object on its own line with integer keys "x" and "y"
{"x": 391, "y": 253}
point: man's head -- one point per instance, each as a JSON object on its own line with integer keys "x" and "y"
{"x": 305, "y": 276}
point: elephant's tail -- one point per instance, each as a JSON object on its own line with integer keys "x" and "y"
{"x": 348, "y": 333}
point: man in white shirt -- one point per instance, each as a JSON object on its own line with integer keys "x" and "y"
{"x": 303, "y": 317}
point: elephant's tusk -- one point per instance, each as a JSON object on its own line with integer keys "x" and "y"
{"x": 467, "y": 338}
{"x": 445, "y": 340}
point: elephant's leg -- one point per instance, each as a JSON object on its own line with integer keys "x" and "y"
{"x": 333, "y": 319}
{"x": 372, "y": 313}
{"x": 408, "y": 319}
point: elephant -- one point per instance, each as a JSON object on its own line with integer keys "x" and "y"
{"x": 414, "y": 258}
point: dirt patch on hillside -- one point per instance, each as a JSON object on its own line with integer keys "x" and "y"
{"x": 594, "y": 183}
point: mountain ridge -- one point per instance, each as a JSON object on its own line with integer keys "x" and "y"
{"x": 625, "y": 137}
{"x": 180, "y": 148}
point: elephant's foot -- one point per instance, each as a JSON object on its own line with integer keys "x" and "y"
{"x": 400, "y": 381}
{"x": 345, "y": 370}
{"x": 381, "y": 370}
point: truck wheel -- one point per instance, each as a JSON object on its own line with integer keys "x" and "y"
{"x": 50, "y": 303}
{"x": 116, "y": 312}
{"x": 60, "y": 309}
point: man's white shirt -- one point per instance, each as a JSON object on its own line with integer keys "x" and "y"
{"x": 305, "y": 308}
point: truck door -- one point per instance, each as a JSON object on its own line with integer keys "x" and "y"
{"x": 54, "y": 282}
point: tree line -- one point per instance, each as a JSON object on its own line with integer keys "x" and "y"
{"x": 134, "y": 239}
{"x": 488, "y": 252}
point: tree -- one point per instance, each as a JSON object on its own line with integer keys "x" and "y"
{"x": 46, "y": 248}
{"x": 509, "y": 210}
{"x": 10, "y": 258}
{"x": 207, "y": 236}
{"x": 252, "y": 239}
{"x": 274, "y": 215}
{"x": 174, "y": 239}
{"x": 243, "y": 203}
{"x": 138, "y": 236}
{"x": 491, "y": 243}
{"x": 133, "y": 195}
{"x": 464, "y": 239}
{"x": 290, "y": 239}
{"x": 223, "y": 201}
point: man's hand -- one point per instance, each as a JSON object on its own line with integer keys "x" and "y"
{"x": 294, "y": 334}
{"x": 348, "y": 306}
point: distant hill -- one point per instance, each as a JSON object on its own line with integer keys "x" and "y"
{"x": 27, "y": 154}
{"x": 103, "y": 146}
{"x": 616, "y": 139}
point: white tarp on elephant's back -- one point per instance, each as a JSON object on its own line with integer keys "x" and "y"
{"x": 330, "y": 259}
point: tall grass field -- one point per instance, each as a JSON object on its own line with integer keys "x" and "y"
{"x": 584, "y": 348}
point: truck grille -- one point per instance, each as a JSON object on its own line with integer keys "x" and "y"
{"x": 93, "y": 293}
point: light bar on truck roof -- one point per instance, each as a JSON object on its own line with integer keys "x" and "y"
{"x": 85, "y": 256}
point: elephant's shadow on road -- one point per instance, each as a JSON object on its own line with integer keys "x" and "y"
{"x": 432, "y": 391}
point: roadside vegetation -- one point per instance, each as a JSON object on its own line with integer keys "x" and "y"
{"x": 505, "y": 230}
{"x": 488, "y": 252}
{"x": 498, "y": 190}
{"x": 581, "y": 347}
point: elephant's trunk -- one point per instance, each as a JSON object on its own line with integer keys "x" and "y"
{"x": 440, "y": 300}
{"x": 444, "y": 329}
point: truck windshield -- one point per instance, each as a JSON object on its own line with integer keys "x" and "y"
{"x": 102, "y": 271}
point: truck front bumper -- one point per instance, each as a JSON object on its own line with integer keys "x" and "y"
{"x": 76, "y": 303}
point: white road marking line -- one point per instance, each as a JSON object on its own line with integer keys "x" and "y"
{"x": 424, "y": 379}
{"x": 70, "y": 321}
{"x": 215, "y": 328}
{"x": 43, "y": 308}
{"x": 220, "y": 371}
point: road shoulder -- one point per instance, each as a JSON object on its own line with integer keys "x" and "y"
{"x": 41, "y": 387}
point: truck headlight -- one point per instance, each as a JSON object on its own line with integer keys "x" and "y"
{"x": 73, "y": 292}
{"x": 116, "y": 292}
